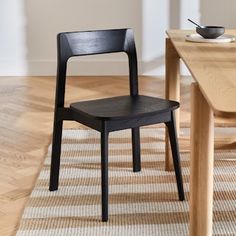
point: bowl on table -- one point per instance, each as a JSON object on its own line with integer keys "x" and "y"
{"x": 210, "y": 32}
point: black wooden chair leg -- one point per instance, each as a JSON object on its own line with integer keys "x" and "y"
{"x": 104, "y": 167}
{"x": 136, "y": 149}
{"x": 55, "y": 156}
{"x": 175, "y": 154}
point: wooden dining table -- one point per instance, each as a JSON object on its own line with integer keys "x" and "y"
{"x": 213, "y": 67}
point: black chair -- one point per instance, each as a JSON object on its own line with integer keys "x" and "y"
{"x": 110, "y": 114}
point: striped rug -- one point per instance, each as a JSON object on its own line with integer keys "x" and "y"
{"x": 144, "y": 203}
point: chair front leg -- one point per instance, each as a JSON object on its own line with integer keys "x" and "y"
{"x": 175, "y": 154}
{"x": 55, "y": 156}
{"x": 104, "y": 168}
{"x": 136, "y": 149}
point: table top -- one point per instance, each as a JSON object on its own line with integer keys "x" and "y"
{"x": 213, "y": 66}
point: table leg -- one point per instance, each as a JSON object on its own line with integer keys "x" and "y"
{"x": 172, "y": 81}
{"x": 201, "y": 164}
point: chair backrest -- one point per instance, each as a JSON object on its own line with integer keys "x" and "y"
{"x": 94, "y": 42}
{"x": 82, "y": 43}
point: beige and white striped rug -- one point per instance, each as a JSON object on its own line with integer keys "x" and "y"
{"x": 144, "y": 203}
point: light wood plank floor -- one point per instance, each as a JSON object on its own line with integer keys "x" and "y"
{"x": 26, "y": 115}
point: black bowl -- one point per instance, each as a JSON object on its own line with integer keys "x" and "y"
{"x": 210, "y": 32}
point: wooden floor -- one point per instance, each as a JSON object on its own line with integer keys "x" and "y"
{"x": 26, "y": 115}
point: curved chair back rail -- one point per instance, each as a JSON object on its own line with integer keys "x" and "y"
{"x": 84, "y": 43}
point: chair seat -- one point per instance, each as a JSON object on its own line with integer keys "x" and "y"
{"x": 123, "y": 107}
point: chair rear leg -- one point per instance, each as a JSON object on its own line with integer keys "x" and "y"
{"x": 55, "y": 156}
{"x": 175, "y": 154}
{"x": 136, "y": 149}
{"x": 104, "y": 167}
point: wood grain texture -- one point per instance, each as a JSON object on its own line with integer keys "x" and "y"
{"x": 172, "y": 89}
{"x": 124, "y": 107}
{"x": 26, "y": 117}
{"x": 201, "y": 165}
{"x": 213, "y": 66}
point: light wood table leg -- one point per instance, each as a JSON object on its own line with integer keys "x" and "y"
{"x": 201, "y": 164}
{"x": 172, "y": 81}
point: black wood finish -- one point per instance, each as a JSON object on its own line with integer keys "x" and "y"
{"x": 110, "y": 114}
{"x": 136, "y": 149}
{"x": 175, "y": 154}
{"x": 104, "y": 168}
{"x": 123, "y": 107}
{"x": 56, "y": 153}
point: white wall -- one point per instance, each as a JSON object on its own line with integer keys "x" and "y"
{"x": 12, "y": 38}
{"x": 218, "y": 12}
{"x": 48, "y": 17}
{"x": 28, "y": 31}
